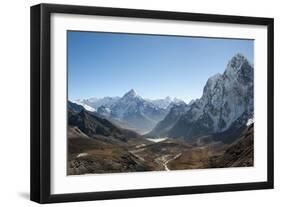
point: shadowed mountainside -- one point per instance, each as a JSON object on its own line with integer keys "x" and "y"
{"x": 93, "y": 125}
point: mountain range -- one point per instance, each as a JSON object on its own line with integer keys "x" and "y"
{"x": 220, "y": 114}
{"x": 131, "y": 110}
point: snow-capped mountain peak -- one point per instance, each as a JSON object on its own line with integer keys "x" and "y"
{"x": 132, "y": 110}
{"x": 168, "y": 98}
{"x": 131, "y": 93}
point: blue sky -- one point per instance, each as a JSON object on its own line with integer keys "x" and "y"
{"x": 108, "y": 64}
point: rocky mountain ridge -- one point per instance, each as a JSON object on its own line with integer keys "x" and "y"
{"x": 226, "y": 103}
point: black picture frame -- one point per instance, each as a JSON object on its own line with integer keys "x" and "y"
{"x": 41, "y": 96}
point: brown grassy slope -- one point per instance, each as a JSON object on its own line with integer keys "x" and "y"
{"x": 90, "y": 155}
{"x": 195, "y": 158}
{"x": 238, "y": 154}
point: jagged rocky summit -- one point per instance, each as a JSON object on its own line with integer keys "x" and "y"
{"x": 223, "y": 110}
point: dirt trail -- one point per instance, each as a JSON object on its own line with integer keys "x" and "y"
{"x": 163, "y": 160}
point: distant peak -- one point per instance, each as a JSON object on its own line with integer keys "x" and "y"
{"x": 168, "y": 98}
{"x": 177, "y": 100}
{"x": 131, "y": 93}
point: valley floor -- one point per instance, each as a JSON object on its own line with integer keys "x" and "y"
{"x": 98, "y": 155}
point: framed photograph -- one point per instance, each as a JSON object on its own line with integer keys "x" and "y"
{"x": 133, "y": 103}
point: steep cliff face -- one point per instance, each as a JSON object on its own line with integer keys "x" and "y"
{"x": 226, "y": 104}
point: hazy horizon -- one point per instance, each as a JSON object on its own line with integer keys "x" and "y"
{"x": 121, "y": 95}
{"x": 156, "y": 67}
